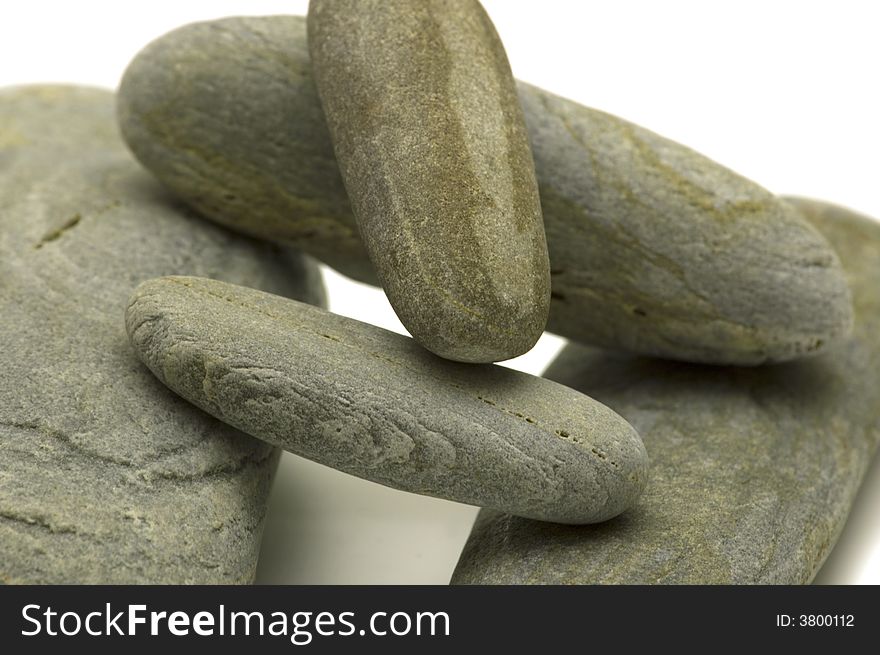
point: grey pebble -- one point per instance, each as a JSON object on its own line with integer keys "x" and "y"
{"x": 430, "y": 138}
{"x": 377, "y": 405}
{"x": 753, "y": 470}
{"x": 225, "y": 113}
{"x": 105, "y": 475}
{"x": 653, "y": 248}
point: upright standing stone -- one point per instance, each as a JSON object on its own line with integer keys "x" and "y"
{"x": 105, "y": 475}
{"x": 430, "y": 137}
{"x": 653, "y": 248}
{"x": 753, "y": 470}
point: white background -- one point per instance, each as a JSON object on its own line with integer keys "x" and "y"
{"x": 783, "y": 92}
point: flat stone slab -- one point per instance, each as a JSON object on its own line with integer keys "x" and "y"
{"x": 753, "y": 470}
{"x": 377, "y": 405}
{"x": 105, "y": 475}
{"x": 653, "y": 248}
{"x": 432, "y": 145}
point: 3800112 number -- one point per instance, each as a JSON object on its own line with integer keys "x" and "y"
{"x": 827, "y": 620}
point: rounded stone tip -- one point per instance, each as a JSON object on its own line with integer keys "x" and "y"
{"x": 626, "y": 472}
{"x": 823, "y": 289}
{"x": 485, "y": 328}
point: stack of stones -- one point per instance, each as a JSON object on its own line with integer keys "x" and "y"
{"x": 388, "y": 139}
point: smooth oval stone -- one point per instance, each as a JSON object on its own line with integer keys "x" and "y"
{"x": 375, "y": 404}
{"x": 106, "y": 476}
{"x": 653, "y": 248}
{"x": 432, "y": 145}
{"x": 682, "y": 258}
{"x": 753, "y": 470}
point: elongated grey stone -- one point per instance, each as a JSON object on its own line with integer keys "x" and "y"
{"x": 753, "y": 470}
{"x": 375, "y": 404}
{"x": 105, "y": 475}
{"x": 653, "y": 248}
{"x": 430, "y": 137}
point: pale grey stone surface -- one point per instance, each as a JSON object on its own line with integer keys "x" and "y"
{"x": 377, "y": 405}
{"x": 660, "y": 251}
{"x": 226, "y": 114}
{"x": 432, "y": 145}
{"x": 653, "y": 248}
{"x": 753, "y": 470}
{"x": 105, "y": 475}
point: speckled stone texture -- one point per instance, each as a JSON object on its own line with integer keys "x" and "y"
{"x": 430, "y": 138}
{"x": 753, "y": 470}
{"x": 375, "y": 404}
{"x": 226, "y": 114}
{"x": 105, "y": 475}
{"x": 681, "y": 257}
{"x": 653, "y": 248}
